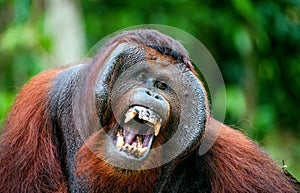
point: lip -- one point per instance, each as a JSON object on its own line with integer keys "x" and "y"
{"x": 133, "y": 138}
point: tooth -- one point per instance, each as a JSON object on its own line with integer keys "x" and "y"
{"x": 146, "y": 118}
{"x": 152, "y": 120}
{"x": 126, "y": 146}
{"x": 157, "y": 128}
{"x": 142, "y": 150}
{"x": 119, "y": 132}
{"x": 131, "y": 148}
{"x": 120, "y": 142}
{"x": 140, "y": 115}
{"x": 139, "y": 142}
{"x": 130, "y": 115}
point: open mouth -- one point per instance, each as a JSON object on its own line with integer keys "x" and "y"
{"x": 135, "y": 138}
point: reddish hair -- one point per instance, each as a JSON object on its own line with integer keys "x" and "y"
{"x": 32, "y": 161}
{"x": 237, "y": 164}
{"x": 28, "y": 156}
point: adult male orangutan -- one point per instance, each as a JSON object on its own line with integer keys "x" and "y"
{"x": 110, "y": 123}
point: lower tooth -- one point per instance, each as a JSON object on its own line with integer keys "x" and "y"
{"x": 131, "y": 147}
{"x": 120, "y": 142}
{"x": 142, "y": 150}
{"x": 139, "y": 142}
{"x": 134, "y": 144}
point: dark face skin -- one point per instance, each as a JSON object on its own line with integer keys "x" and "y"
{"x": 151, "y": 98}
{"x": 143, "y": 101}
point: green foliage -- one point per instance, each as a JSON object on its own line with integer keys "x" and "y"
{"x": 236, "y": 103}
{"x": 255, "y": 43}
{"x": 5, "y": 101}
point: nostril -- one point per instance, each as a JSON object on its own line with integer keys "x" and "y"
{"x": 154, "y": 95}
{"x": 148, "y": 92}
{"x": 157, "y": 97}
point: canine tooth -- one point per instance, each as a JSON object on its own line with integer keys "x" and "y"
{"x": 142, "y": 150}
{"x": 119, "y": 132}
{"x": 157, "y": 128}
{"x": 139, "y": 142}
{"x": 130, "y": 115}
{"x": 120, "y": 142}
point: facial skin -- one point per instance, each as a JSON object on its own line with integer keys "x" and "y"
{"x": 146, "y": 105}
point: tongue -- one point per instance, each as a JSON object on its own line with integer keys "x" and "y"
{"x": 128, "y": 136}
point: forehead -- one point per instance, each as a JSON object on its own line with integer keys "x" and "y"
{"x": 141, "y": 58}
{"x": 155, "y": 63}
{"x": 155, "y": 57}
{"x": 154, "y": 70}
{"x": 161, "y": 64}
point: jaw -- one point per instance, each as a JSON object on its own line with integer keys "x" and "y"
{"x": 101, "y": 166}
{"x": 133, "y": 138}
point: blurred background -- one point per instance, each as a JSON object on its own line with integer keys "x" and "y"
{"x": 255, "y": 43}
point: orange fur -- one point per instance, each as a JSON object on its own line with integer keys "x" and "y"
{"x": 239, "y": 165}
{"x": 28, "y": 157}
{"x": 99, "y": 176}
{"x": 93, "y": 166}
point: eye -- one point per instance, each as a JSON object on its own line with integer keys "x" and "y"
{"x": 160, "y": 85}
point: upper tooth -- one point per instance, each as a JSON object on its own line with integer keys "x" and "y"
{"x": 146, "y": 118}
{"x": 140, "y": 116}
{"x": 152, "y": 120}
{"x": 157, "y": 128}
{"x": 146, "y": 115}
{"x": 130, "y": 115}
